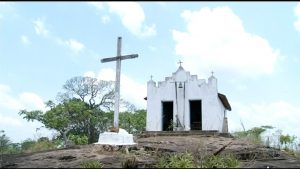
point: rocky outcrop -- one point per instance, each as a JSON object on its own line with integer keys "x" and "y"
{"x": 200, "y": 145}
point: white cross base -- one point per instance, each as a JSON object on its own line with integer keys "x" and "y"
{"x": 117, "y": 139}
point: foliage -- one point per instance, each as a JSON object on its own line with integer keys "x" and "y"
{"x": 184, "y": 160}
{"x": 62, "y": 117}
{"x": 130, "y": 162}
{"x": 287, "y": 140}
{"x": 97, "y": 94}
{"x": 13, "y": 148}
{"x": 30, "y": 145}
{"x": 84, "y": 108}
{"x": 133, "y": 123}
{"x": 228, "y": 161}
{"x": 254, "y": 134}
{"x": 78, "y": 140}
{"x": 91, "y": 164}
{"x": 27, "y": 144}
{"x": 6, "y": 146}
{"x": 80, "y": 108}
{"x": 4, "y": 142}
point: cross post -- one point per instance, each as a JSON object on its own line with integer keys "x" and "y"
{"x": 118, "y": 59}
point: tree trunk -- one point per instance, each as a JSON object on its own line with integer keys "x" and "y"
{"x": 64, "y": 134}
{"x": 93, "y": 137}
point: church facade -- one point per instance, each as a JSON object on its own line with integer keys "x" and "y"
{"x": 183, "y": 102}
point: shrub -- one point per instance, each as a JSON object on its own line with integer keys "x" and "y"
{"x": 27, "y": 144}
{"x": 228, "y": 161}
{"x": 253, "y": 134}
{"x": 30, "y": 145}
{"x": 78, "y": 140}
{"x": 91, "y": 164}
{"x": 130, "y": 162}
{"x": 43, "y": 145}
{"x": 184, "y": 160}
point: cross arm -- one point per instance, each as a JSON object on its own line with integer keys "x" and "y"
{"x": 119, "y": 57}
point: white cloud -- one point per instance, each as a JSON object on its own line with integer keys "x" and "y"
{"x": 7, "y": 101}
{"x": 10, "y": 105}
{"x": 73, "y": 44}
{"x": 10, "y": 121}
{"x": 7, "y": 10}
{"x": 4, "y": 88}
{"x": 98, "y": 5}
{"x": 89, "y": 74}
{"x": 133, "y": 17}
{"x": 25, "y": 40}
{"x": 105, "y": 19}
{"x": 25, "y": 100}
{"x": 130, "y": 90}
{"x": 279, "y": 114}
{"x": 39, "y": 27}
{"x": 216, "y": 40}
{"x": 161, "y": 3}
{"x": 152, "y": 48}
{"x": 32, "y": 101}
{"x": 297, "y": 13}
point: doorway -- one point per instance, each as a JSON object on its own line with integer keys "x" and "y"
{"x": 196, "y": 114}
{"x": 167, "y": 116}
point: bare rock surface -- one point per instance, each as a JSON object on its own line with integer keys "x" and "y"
{"x": 250, "y": 155}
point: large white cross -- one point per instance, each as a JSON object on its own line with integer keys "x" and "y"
{"x": 118, "y": 58}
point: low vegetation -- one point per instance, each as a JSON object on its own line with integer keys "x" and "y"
{"x": 184, "y": 160}
{"x": 130, "y": 162}
{"x": 91, "y": 164}
{"x": 227, "y": 161}
{"x": 278, "y": 140}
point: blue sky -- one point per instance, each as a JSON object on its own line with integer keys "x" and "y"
{"x": 253, "y": 48}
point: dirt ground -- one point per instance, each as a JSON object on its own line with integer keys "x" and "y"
{"x": 250, "y": 155}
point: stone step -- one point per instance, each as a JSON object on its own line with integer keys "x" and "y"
{"x": 183, "y": 133}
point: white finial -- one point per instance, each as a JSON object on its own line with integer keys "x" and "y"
{"x": 151, "y": 77}
{"x": 212, "y": 73}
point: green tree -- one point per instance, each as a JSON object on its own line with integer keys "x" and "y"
{"x": 97, "y": 94}
{"x": 287, "y": 140}
{"x": 62, "y": 117}
{"x": 84, "y": 108}
{"x": 14, "y": 148}
{"x": 4, "y": 142}
{"x": 133, "y": 122}
{"x": 6, "y": 146}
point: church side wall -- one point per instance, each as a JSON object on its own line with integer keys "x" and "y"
{"x": 221, "y": 114}
{"x": 151, "y": 96}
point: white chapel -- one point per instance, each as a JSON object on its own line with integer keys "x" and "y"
{"x": 183, "y": 102}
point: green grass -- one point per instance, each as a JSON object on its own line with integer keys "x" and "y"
{"x": 39, "y": 146}
{"x": 91, "y": 164}
{"x": 228, "y": 161}
{"x": 130, "y": 162}
{"x": 184, "y": 160}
